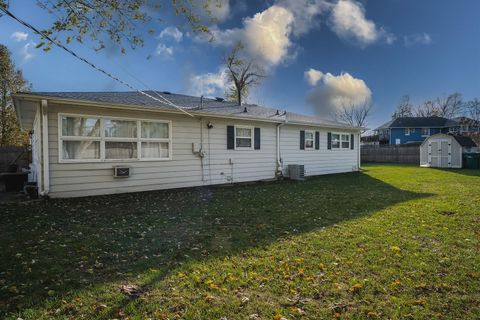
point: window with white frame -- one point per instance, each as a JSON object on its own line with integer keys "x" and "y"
{"x": 335, "y": 141}
{"x": 80, "y": 138}
{"x": 85, "y": 138}
{"x": 345, "y": 141}
{"x": 407, "y": 131}
{"x": 243, "y": 137}
{"x": 309, "y": 140}
{"x": 120, "y": 139}
{"x": 340, "y": 141}
{"x": 425, "y": 132}
{"x": 155, "y": 140}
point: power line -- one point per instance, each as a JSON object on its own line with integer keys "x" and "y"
{"x": 108, "y": 74}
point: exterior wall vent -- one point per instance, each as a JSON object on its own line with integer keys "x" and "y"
{"x": 296, "y": 171}
{"x": 121, "y": 172}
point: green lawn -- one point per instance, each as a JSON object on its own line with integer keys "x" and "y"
{"x": 393, "y": 242}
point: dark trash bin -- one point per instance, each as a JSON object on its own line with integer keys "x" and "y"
{"x": 471, "y": 160}
{"x": 15, "y": 181}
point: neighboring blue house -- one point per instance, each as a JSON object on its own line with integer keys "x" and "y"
{"x": 417, "y": 129}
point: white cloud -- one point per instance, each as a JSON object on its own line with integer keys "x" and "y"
{"x": 414, "y": 39}
{"x": 348, "y": 21}
{"x": 171, "y": 32}
{"x": 19, "y": 36}
{"x": 313, "y": 76}
{"x": 266, "y": 35}
{"x": 334, "y": 92}
{"x": 25, "y": 51}
{"x": 305, "y": 13}
{"x": 209, "y": 84}
{"x": 164, "y": 51}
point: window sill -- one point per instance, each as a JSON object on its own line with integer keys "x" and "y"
{"x": 113, "y": 161}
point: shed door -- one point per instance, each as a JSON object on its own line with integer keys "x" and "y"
{"x": 440, "y": 153}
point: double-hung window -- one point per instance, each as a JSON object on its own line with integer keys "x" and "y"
{"x": 340, "y": 141}
{"x": 345, "y": 141}
{"x": 408, "y": 131}
{"x": 243, "y": 137}
{"x": 86, "y": 138}
{"x": 309, "y": 140}
{"x": 155, "y": 140}
{"x": 335, "y": 141}
{"x": 425, "y": 132}
{"x": 80, "y": 138}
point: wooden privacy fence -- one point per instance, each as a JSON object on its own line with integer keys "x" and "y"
{"x": 13, "y": 154}
{"x": 391, "y": 154}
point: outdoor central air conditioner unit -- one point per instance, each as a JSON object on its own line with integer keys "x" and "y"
{"x": 296, "y": 171}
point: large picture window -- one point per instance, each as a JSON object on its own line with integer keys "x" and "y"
{"x": 86, "y": 138}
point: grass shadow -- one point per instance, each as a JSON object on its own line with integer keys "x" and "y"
{"x": 61, "y": 246}
{"x": 465, "y": 172}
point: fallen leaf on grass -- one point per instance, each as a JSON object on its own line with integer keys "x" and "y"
{"x": 131, "y": 290}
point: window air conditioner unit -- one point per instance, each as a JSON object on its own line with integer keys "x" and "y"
{"x": 121, "y": 172}
{"x": 296, "y": 171}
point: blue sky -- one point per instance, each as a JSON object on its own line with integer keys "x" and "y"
{"x": 319, "y": 54}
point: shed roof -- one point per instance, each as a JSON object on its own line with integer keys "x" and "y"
{"x": 465, "y": 141}
{"x": 190, "y": 104}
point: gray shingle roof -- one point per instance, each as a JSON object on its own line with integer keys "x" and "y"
{"x": 416, "y": 122}
{"x": 465, "y": 141}
{"x": 190, "y": 104}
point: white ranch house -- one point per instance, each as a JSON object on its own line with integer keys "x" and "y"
{"x": 92, "y": 143}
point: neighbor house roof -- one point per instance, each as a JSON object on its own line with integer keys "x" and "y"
{"x": 415, "y": 122}
{"x": 462, "y": 121}
{"x": 191, "y": 104}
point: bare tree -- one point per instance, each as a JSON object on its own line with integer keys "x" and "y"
{"x": 427, "y": 109}
{"x": 404, "y": 108}
{"x": 450, "y": 106}
{"x": 355, "y": 114}
{"x": 243, "y": 73}
{"x": 473, "y": 109}
{"x": 447, "y": 107}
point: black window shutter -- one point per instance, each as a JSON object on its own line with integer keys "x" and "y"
{"x": 257, "y": 138}
{"x": 352, "y": 141}
{"x": 329, "y": 143}
{"x": 302, "y": 140}
{"x": 317, "y": 140}
{"x": 230, "y": 137}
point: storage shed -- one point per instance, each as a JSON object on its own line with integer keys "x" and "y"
{"x": 445, "y": 150}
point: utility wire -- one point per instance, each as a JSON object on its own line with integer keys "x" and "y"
{"x": 26, "y": 24}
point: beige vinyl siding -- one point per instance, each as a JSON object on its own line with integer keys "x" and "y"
{"x": 184, "y": 170}
{"x": 317, "y": 162}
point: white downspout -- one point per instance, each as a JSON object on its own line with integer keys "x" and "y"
{"x": 359, "y": 151}
{"x": 46, "y": 168}
{"x": 279, "y": 170}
